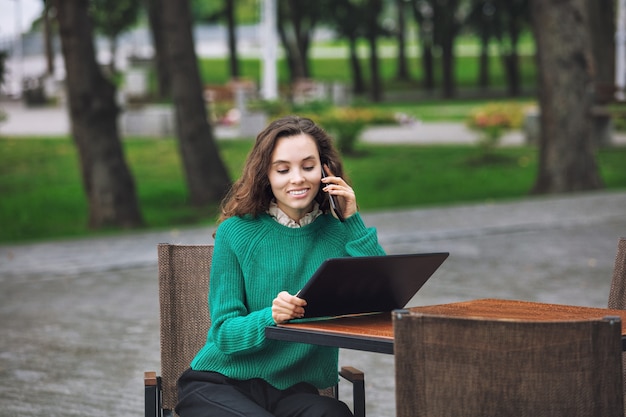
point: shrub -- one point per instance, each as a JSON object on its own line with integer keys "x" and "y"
{"x": 493, "y": 120}
{"x": 273, "y": 108}
{"x": 345, "y": 124}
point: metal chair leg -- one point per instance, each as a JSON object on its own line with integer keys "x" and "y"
{"x": 358, "y": 388}
{"x": 152, "y": 394}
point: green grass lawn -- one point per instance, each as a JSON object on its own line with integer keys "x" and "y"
{"x": 442, "y": 110}
{"x": 42, "y": 196}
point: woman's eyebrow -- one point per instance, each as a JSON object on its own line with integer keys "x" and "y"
{"x": 280, "y": 161}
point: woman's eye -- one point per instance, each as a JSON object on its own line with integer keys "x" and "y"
{"x": 282, "y": 171}
{"x": 308, "y": 168}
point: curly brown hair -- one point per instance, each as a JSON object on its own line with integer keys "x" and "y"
{"x": 251, "y": 194}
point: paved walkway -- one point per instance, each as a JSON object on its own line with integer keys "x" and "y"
{"x": 54, "y": 121}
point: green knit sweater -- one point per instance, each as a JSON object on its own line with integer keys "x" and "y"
{"x": 253, "y": 260}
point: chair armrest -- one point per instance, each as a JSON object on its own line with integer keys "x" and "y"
{"x": 149, "y": 379}
{"x": 152, "y": 393}
{"x": 357, "y": 378}
{"x": 351, "y": 374}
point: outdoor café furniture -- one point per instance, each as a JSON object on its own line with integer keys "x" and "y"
{"x": 374, "y": 332}
{"x": 184, "y": 322}
{"x": 617, "y": 293}
{"x": 486, "y": 367}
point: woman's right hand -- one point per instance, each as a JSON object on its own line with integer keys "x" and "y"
{"x": 286, "y": 307}
{"x": 338, "y": 187}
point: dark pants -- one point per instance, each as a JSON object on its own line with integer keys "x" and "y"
{"x": 204, "y": 394}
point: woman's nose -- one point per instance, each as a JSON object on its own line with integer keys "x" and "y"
{"x": 297, "y": 176}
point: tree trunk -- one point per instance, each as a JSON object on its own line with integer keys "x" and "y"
{"x": 511, "y": 67}
{"x": 403, "y": 68}
{"x": 602, "y": 30}
{"x": 374, "y": 9}
{"x": 289, "y": 30}
{"x": 301, "y": 35}
{"x": 425, "y": 40}
{"x": 377, "y": 90}
{"x": 483, "y": 64}
{"x": 483, "y": 21}
{"x": 358, "y": 83}
{"x": 106, "y": 178}
{"x": 206, "y": 175}
{"x": 567, "y": 152}
{"x": 291, "y": 61}
{"x": 428, "y": 65}
{"x": 232, "y": 39}
{"x": 445, "y": 36}
{"x": 47, "y": 39}
{"x": 154, "y": 9}
{"x": 512, "y": 58}
{"x": 447, "y": 62}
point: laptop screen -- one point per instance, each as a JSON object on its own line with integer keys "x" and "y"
{"x": 368, "y": 284}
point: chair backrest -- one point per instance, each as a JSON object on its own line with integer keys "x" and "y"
{"x": 617, "y": 294}
{"x": 472, "y": 367}
{"x": 183, "y": 297}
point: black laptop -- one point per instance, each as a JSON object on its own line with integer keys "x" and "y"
{"x": 367, "y": 284}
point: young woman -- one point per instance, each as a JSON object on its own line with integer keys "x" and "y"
{"x": 275, "y": 229}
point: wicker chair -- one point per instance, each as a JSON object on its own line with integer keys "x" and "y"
{"x": 183, "y": 287}
{"x": 472, "y": 367}
{"x": 617, "y": 293}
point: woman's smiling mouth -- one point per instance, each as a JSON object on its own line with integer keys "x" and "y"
{"x": 298, "y": 192}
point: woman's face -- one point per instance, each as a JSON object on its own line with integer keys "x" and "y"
{"x": 295, "y": 174}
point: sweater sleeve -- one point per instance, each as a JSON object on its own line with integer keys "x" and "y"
{"x": 234, "y": 329}
{"x": 362, "y": 241}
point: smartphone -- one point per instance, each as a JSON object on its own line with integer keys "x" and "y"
{"x": 333, "y": 201}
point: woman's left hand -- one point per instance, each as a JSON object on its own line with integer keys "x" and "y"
{"x": 338, "y": 187}
{"x": 286, "y": 307}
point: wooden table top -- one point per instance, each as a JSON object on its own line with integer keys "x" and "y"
{"x": 490, "y": 308}
{"x": 371, "y": 325}
{"x": 379, "y": 325}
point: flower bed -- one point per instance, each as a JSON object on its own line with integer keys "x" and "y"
{"x": 493, "y": 120}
